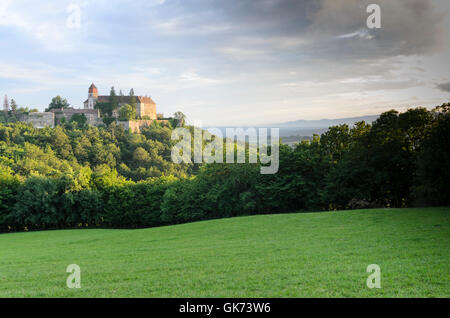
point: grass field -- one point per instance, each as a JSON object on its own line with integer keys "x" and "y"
{"x": 286, "y": 255}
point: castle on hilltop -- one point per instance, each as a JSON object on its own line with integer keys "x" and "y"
{"x": 145, "y": 106}
{"x": 145, "y": 112}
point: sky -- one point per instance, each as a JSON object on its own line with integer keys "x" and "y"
{"x": 233, "y": 62}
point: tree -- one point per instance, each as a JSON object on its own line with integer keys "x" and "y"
{"x": 61, "y": 142}
{"x": 27, "y": 110}
{"x": 432, "y": 186}
{"x": 335, "y": 141}
{"x": 13, "y": 106}
{"x": 132, "y": 99}
{"x": 127, "y": 112}
{"x": 140, "y": 155}
{"x": 80, "y": 119}
{"x": 108, "y": 120}
{"x": 58, "y": 103}
{"x": 113, "y": 99}
{"x": 105, "y": 108}
{"x": 180, "y": 118}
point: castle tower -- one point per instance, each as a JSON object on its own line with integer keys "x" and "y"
{"x": 92, "y": 97}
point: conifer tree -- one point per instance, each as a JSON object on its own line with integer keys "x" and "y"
{"x": 113, "y": 99}
{"x": 13, "y": 106}
{"x": 132, "y": 99}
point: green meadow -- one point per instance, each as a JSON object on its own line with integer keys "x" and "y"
{"x": 286, "y": 255}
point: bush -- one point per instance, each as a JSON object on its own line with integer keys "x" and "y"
{"x": 38, "y": 203}
{"x": 9, "y": 186}
{"x": 108, "y": 120}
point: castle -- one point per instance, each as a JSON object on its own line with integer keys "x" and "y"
{"x": 145, "y": 106}
{"x": 145, "y": 112}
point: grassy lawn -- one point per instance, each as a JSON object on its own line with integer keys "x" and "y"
{"x": 290, "y": 255}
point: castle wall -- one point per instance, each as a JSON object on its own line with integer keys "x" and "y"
{"x": 134, "y": 125}
{"x": 92, "y": 115}
{"x": 39, "y": 120}
{"x": 137, "y": 125}
{"x": 148, "y": 109}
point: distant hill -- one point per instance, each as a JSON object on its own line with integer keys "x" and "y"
{"x": 308, "y": 127}
{"x": 325, "y": 123}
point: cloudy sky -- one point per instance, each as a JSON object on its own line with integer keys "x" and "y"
{"x": 233, "y": 62}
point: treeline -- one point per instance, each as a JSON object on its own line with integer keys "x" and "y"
{"x": 402, "y": 159}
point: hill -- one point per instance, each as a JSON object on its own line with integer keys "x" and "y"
{"x": 325, "y": 123}
{"x": 310, "y": 127}
{"x": 288, "y": 255}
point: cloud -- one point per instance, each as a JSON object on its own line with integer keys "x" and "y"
{"x": 362, "y": 34}
{"x": 445, "y": 87}
{"x": 229, "y": 56}
{"x": 43, "y": 22}
{"x": 240, "y": 53}
{"x": 408, "y": 27}
{"x": 191, "y": 78}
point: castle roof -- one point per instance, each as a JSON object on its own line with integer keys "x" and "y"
{"x": 126, "y": 99}
{"x": 92, "y": 88}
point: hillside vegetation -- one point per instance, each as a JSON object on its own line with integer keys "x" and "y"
{"x": 288, "y": 255}
{"x": 79, "y": 176}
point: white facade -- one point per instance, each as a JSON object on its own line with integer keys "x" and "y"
{"x": 90, "y": 102}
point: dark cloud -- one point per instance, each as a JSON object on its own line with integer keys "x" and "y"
{"x": 408, "y": 27}
{"x": 445, "y": 87}
{"x": 248, "y": 17}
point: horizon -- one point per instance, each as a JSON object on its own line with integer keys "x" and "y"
{"x": 251, "y": 63}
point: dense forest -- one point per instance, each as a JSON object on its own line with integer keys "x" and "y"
{"x": 76, "y": 175}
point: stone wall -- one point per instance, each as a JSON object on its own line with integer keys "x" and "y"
{"x": 92, "y": 115}
{"x": 134, "y": 125}
{"x": 137, "y": 125}
{"x": 147, "y": 109}
{"x": 39, "y": 120}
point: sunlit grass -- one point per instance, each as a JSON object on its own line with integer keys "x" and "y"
{"x": 286, "y": 255}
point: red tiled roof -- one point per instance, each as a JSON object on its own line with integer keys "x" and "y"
{"x": 126, "y": 99}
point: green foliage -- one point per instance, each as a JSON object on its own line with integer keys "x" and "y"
{"x": 132, "y": 99}
{"x": 79, "y": 119}
{"x": 8, "y": 188}
{"x": 105, "y": 108}
{"x": 105, "y": 176}
{"x": 108, "y": 120}
{"x": 179, "y": 118}
{"x": 113, "y": 99}
{"x": 127, "y": 112}
{"x": 13, "y": 106}
{"x": 58, "y": 103}
{"x": 12, "y": 119}
{"x": 432, "y": 182}
{"x": 37, "y": 203}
